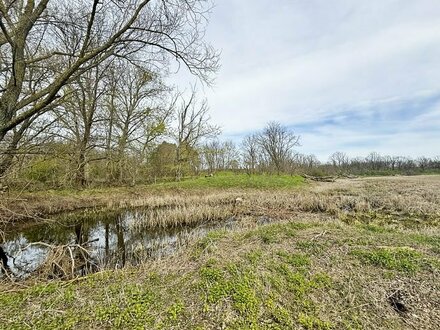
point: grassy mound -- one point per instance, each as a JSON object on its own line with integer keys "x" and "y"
{"x": 231, "y": 180}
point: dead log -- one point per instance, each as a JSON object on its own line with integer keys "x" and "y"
{"x": 319, "y": 178}
{"x": 347, "y": 176}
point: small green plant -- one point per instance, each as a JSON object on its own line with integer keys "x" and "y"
{"x": 254, "y": 256}
{"x": 175, "y": 310}
{"x": 278, "y": 313}
{"x": 400, "y": 259}
{"x": 213, "y": 283}
{"x": 313, "y": 323}
{"x": 294, "y": 259}
{"x": 432, "y": 241}
{"x": 374, "y": 228}
{"x": 234, "y": 283}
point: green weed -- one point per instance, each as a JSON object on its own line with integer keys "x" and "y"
{"x": 400, "y": 259}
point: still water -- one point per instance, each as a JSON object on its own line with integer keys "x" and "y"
{"x": 112, "y": 240}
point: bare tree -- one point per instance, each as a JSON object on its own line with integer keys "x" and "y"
{"x": 212, "y": 152}
{"x": 192, "y": 126}
{"x": 374, "y": 160}
{"x": 220, "y": 155}
{"x": 79, "y": 118}
{"x": 138, "y": 111}
{"x": 339, "y": 159}
{"x": 250, "y": 153}
{"x": 277, "y": 143}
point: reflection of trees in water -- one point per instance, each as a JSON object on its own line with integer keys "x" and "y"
{"x": 3, "y": 260}
{"x": 81, "y": 233}
{"x": 121, "y": 243}
{"x": 118, "y": 241}
{"x": 86, "y": 264}
{"x": 106, "y": 235}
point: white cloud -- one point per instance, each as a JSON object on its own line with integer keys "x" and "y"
{"x": 303, "y": 61}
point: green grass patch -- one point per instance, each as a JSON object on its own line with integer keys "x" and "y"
{"x": 311, "y": 322}
{"x": 264, "y": 290}
{"x": 376, "y": 229}
{"x": 311, "y": 247}
{"x": 231, "y": 180}
{"x": 432, "y": 241}
{"x": 236, "y": 283}
{"x": 294, "y": 259}
{"x": 400, "y": 259}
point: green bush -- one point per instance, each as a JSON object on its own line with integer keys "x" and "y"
{"x": 48, "y": 171}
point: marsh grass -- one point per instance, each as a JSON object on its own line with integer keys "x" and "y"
{"x": 180, "y": 216}
{"x": 414, "y": 201}
{"x": 329, "y": 259}
{"x": 364, "y": 201}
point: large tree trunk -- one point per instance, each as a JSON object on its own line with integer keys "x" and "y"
{"x": 3, "y": 260}
{"x": 8, "y": 156}
{"x": 179, "y": 164}
{"x": 81, "y": 162}
{"x": 80, "y": 175}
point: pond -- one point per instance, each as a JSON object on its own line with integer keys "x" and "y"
{"x": 98, "y": 240}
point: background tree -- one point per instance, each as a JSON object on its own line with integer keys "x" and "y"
{"x": 163, "y": 160}
{"x": 250, "y": 153}
{"x": 277, "y": 143}
{"x": 79, "y": 116}
{"x": 219, "y": 155}
{"x": 137, "y": 113}
{"x": 339, "y": 159}
{"x": 192, "y": 126}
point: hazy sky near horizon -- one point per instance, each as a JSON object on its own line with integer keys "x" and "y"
{"x": 346, "y": 75}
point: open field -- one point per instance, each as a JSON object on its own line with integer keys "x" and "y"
{"x": 19, "y": 205}
{"x": 354, "y": 254}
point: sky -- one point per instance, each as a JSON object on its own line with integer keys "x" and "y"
{"x": 345, "y": 75}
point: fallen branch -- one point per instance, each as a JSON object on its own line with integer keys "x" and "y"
{"x": 319, "y": 178}
{"x": 62, "y": 261}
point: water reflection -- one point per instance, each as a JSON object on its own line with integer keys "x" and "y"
{"x": 111, "y": 239}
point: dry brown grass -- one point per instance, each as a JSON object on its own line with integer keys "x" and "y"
{"x": 306, "y": 270}
{"x": 386, "y": 199}
{"x": 415, "y": 196}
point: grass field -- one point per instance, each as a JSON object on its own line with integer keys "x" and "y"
{"x": 231, "y": 180}
{"x": 354, "y": 254}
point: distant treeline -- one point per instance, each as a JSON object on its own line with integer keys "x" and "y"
{"x": 273, "y": 151}
{"x": 172, "y": 155}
